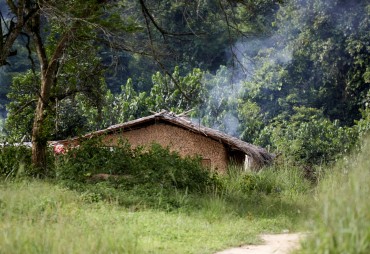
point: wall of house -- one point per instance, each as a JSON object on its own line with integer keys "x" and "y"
{"x": 177, "y": 139}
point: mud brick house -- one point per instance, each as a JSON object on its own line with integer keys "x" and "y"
{"x": 217, "y": 149}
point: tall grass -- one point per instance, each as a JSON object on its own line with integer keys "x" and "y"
{"x": 275, "y": 191}
{"x": 41, "y": 217}
{"x": 161, "y": 203}
{"x": 342, "y": 216}
{"x": 45, "y": 217}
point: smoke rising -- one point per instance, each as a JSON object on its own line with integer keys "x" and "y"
{"x": 227, "y": 85}
{"x": 250, "y": 55}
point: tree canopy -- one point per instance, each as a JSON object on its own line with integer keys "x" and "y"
{"x": 68, "y": 39}
{"x": 270, "y": 72}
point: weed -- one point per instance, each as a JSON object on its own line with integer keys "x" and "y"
{"x": 44, "y": 217}
{"x": 162, "y": 204}
{"x": 342, "y": 223}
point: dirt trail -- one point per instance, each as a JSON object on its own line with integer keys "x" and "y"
{"x": 273, "y": 244}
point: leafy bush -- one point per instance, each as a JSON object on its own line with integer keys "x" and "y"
{"x": 309, "y": 138}
{"x": 13, "y": 160}
{"x": 159, "y": 165}
{"x": 92, "y": 157}
{"x": 156, "y": 167}
{"x": 363, "y": 125}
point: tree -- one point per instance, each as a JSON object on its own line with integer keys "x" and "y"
{"x": 318, "y": 59}
{"x": 59, "y": 32}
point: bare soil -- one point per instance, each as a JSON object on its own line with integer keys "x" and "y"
{"x": 273, "y": 244}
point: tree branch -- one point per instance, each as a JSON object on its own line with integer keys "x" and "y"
{"x": 60, "y": 97}
{"x": 164, "y": 32}
{"x": 58, "y": 52}
{"x": 41, "y": 52}
{"x": 24, "y": 106}
{"x": 159, "y": 62}
{"x": 12, "y": 6}
{"x": 29, "y": 51}
{"x": 15, "y": 29}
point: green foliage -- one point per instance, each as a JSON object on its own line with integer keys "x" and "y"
{"x": 154, "y": 167}
{"x": 45, "y": 217}
{"x": 180, "y": 94}
{"x": 363, "y": 125}
{"x": 159, "y": 178}
{"x": 115, "y": 108}
{"x": 341, "y": 213}
{"x": 276, "y": 180}
{"x": 307, "y": 55}
{"x": 318, "y": 58}
{"x": 176, "y": 94}
{"x": 251, "y": 122}
{"x": 307, "y": 137}
{"x": 22, "y": 106}
{"x": 168, "y": 169}
{"x": 127, "y": 105}
{"x": 73, "y": 89}
{"x": 219, "y": 109}
{"x": 15, "y": 160}
{"x": 17, "y": 64}
{"x": 70, "y": 38}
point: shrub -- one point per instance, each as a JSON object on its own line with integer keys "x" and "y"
{"x": 363, "y": 125}
{"x": 160, "y": 165}
{"x": 92, "y": 157}
{"x": 13, "y": 159}
{"x": 156, "y": 167}
{"x": 308, "y": 137}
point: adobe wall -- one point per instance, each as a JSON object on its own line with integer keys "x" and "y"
{"x": 177, "y": 139}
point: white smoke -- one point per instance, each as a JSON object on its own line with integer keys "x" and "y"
{"x": 227, "y": 85}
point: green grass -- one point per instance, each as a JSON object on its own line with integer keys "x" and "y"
{"x": 341, "y": 221}
{"x": 45, "y": 217}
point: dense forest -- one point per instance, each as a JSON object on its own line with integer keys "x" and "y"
{"x": 289, "y": 75}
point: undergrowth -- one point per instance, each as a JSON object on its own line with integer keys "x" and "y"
{"x": 14, "y": 160}
{"x": 160, "y": 203}
{"x": 156, "y": 166}
{"x": 341, "y": 221}
{"x": 161, "y": 179}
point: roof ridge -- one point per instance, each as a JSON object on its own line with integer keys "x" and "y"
{"x": 258, "y": 153}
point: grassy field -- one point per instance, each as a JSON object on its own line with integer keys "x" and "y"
{"x": 47, "y": 217}
{"x": 172, "y": 206}
{"x": 50, "y": 216}
{"x": 70, "y": 216}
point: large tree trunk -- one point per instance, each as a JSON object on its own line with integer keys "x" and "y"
{"x": 38, "y": 148}
{"x": 49, "y": 69}
{"x": 40, "y": 134}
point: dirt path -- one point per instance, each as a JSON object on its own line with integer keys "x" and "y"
{"x": 273, "y": 244}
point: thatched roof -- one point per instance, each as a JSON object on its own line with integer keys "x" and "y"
{"x": 259, "y": 155}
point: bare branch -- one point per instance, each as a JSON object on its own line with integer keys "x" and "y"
{"x": 29, "y": 51}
